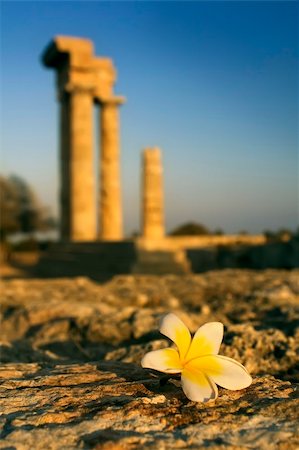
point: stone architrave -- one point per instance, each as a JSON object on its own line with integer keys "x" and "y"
{"x": 73, "y": 60}
{"x": 153, "y": 201}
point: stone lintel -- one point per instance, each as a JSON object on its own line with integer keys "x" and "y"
{"x": 79, "y": 51}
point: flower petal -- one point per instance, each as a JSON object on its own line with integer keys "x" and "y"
{"x": 166, "y": 360}
{"x": 176, "y": 330}
{"x": 197, "y": 386}
{"x": 206, "y": 341}
{"x": 226, "y": 372}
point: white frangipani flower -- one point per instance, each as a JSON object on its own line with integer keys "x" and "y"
{"x": 197, "y": 360}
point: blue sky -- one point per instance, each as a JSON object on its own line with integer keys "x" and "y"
{"x": 213, "y": 84}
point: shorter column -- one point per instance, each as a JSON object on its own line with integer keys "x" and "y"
{"x": 153, "y": 201}
{"x": 110, "y": 183}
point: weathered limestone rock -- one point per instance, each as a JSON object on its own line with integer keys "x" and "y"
{"x": 71, "y": 351}
{"x": 153, "y": 203}
{"x": 72, "y": 58}
{"x": 80, "y": 319}
{"x": 107, "y": 405}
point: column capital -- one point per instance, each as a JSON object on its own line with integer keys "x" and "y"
{"x": 116, "y": 100}
{"x": 71, "y": 88}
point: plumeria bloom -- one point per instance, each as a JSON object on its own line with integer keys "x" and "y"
{"x": 197, "y": 360}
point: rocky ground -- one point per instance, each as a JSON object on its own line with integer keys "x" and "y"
{"x": 71, "y": 351}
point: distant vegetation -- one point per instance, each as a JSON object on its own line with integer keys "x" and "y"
{"x": 283, "y": 234}
{"x": 190, "y": 229}
{"x": 198, "y": 229}
{"x": 20, "y": 208}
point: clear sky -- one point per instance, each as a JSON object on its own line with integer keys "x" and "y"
{"x": 213, "y": 84}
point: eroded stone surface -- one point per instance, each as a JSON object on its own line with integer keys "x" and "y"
{"x": 116, "y": 405}
{"x": 71, "y": 350}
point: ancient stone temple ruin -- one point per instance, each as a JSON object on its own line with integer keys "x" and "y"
{"x": 83, "y": 80}
{"x": 92, "y": 241}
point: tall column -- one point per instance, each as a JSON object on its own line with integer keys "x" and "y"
{"x": 110, "y": 183}
{"x": 77, "y": 190}
{"x": 72, "y": 58}
{"x": 81, "y": 166}
{"x": 153, "y": 202}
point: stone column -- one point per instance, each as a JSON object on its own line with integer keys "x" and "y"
{"x": 78, "y": 204}
{"x": 72, "y": 58}
{"x": 110, "y": 183}
{"x": 153, "y": 203}
{"x": 64, "y": 167}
